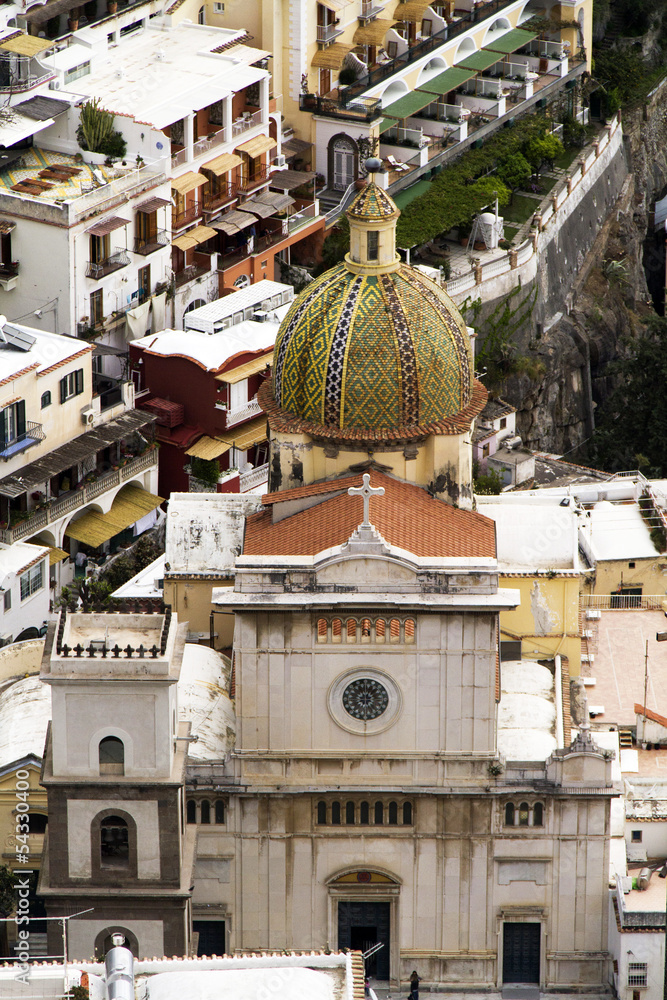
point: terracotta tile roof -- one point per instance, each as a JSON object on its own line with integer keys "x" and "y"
{"x": 66, "y": 361}
{"x": 281, "y": 420}
{"x": 648, "y": 714}
{"x": 406, "y": 516}
{"x": 328, "y": 486}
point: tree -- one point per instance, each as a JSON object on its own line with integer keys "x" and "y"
{"x": 542, "y": 150}
{"x": 514, "y": 171}
{"x": 633, "y": 418}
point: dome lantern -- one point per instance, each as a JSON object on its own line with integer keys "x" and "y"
{"x": 372, "y": 217}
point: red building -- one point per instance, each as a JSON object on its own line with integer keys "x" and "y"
{"x": 202, "y": 386}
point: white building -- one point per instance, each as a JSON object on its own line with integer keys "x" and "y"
{"x": 25, "y": 570}
{"x": 78, "y": 462}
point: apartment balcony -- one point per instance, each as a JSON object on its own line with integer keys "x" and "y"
{"x": 32, "y": 435}
{"x": 361, "y": 109}
{"x": 146, "y": 245}
{"x": 327, "y": 33}
{"x": 203, "y": 145}
{"x": 36, "y": 520}
{"x": 370, "y": 9}
{"x": 22, "y": 74}
{"x": 242, "y": 413}
{"x": 247, "y": 121}
{"x": 256, "y": 477}
{"x": 212, "y": 202}
{"x": 260, "y": 175}
{"x": 189, "y": 273}
{"x": 9, "y": 275}
{"x": 97, "y": 269}
{"x": 179, "y": 219}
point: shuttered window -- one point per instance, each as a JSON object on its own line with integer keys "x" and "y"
{"x": 71, "y": 385}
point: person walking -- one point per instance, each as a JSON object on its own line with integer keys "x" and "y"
{"x": 414, "y": 985}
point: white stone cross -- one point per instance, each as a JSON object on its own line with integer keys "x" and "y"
{"x": 366, "y": 491}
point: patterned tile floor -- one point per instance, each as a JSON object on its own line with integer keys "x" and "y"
{"x": 36, "y": 159}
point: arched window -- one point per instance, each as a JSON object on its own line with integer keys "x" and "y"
{"x": 393, "y": 813}
{"x": 192, "y": 811}
{"x": 336, "y": 630}
{"x": 219, "y": 812}
{"x": 114, "y": 843}
{"x": 242, "y": 282}
{"x": 410, "y": 630}
{"x": 379, "y": 813}
{"x": 523, "y": 814}
{"x": 394, "y": 630}
{"x": 112, "y": 755}
{"x": 37, "y": 822}
{"x": 364, "y": 814}
{"x": 379, "y": 630}
{"x": 365, "y": 630}
{"x": 201, "y": 17}
{"x": 46, "y": 399}
{"x": 509, "y": 814}
{"x": 407, "y": 814}
{"x": 349, "y": 813}
{"x": 321, "y": 630}
{"x": 538, "y": 814}
{"x": 322, "y": 813}
{"x": 351, "y": 630}
{"x": 205, "y": 811}
{"x": 335, "y": 813}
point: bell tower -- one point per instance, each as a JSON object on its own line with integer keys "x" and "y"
{"x": 114, "y": 770}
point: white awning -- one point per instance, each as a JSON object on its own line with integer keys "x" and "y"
{"x": 19, "y": 127}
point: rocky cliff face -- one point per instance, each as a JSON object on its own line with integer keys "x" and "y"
{"x": 585, "y": 313}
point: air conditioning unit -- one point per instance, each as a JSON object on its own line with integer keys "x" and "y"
{"x": 5, "y": 639}
{"x": 55, "y": 85}
{"x": 280, "y": 161}
{"x": 88, "y": 416}
{"x": 593, "y": 614}
{"x": 587, "y": 658}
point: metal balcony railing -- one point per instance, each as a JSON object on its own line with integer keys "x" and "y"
{"x": 327, "y": 33}
{"x": 31, "y": 435}
{"x": 241, "y": 413}
{"x": 149, "y": 244}
{"x": 97, "y": 269}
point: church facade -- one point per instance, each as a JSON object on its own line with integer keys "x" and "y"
{"x": 363, "y": 802}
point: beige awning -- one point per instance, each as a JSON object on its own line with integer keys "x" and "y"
{"x": 188, "y": 182}
{"x": 235, "y": 375}
{"x": 131, "y": 504}
{"x": 372, "y": 33}
{"x": 26, "y": 45}
{"x": 250, "y": 434}
{"x": 57, "y": 555}
{"x": 413, "y": 10}
{"x": 184, "y": 243}
{"x": 233, "y": 222}
{"x": 331, "y": 57}
{"x": 257, "y": 208}
{"x": 200, "y": 234}
{"x": 209, "y": 448}
{"x": 222, "y": 164}
{"x": 260, "y": 144}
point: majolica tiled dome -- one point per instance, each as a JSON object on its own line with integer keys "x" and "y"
{"x": 373, "y": 351}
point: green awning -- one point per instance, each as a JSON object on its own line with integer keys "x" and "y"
{"x": 449, "y": 80}
{"x": 512, "y": 41}
{"x": 409, "y": 105}
{"x": 386, "y": 124}
{"x": 479, "y": 61}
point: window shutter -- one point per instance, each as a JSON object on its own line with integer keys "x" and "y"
{"x": 79, "y": 380}
{"x": 3, "y": 428}
{"x": 63, "y": 389}
{"x": 20, "y": 419}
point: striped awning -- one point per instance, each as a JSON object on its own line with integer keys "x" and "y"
{"x": 512, "y": 40}
{"x": 372, "y": 33}
{"x": 188, "y": 182}
{"x": 222, "y": 164}
{"x": 413, "y": 10}
{"x": 409, "y": 105}
{"x": 255, "y": 147}
{"x": 235, "y": 375}
{"x": 479, "y": 61}
{"x": 449, "y": 80}
{"x": 93, "y": 528}
{"x": 249, "y": 434}
{"x": 208, "y": 448}
{"x": 107, "y": 226}
{"x": 331, "y": 57}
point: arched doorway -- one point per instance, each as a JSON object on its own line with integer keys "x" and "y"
{"x": 365, "y": 914}
{"x": 103, "y": 942}
{"x": 343, "y": 162}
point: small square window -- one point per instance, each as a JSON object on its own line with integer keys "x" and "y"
{"x": 636, "y": 836}
{"x": 637, "y": 974}
{"x": 503, "y": 423}
{"x": 631, "y": 565}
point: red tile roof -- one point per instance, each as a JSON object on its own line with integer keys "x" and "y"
{"x": 649, "y": 714}
{"x": 328, "y": 486}
{"x": 406, "y": 516}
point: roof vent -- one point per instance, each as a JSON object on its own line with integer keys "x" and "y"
{"x": 160, "y": 55}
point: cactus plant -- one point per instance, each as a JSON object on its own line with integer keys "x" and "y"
{"x": 96, "y": 125}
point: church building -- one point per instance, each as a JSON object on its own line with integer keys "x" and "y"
{"x": 364, "y": 800}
